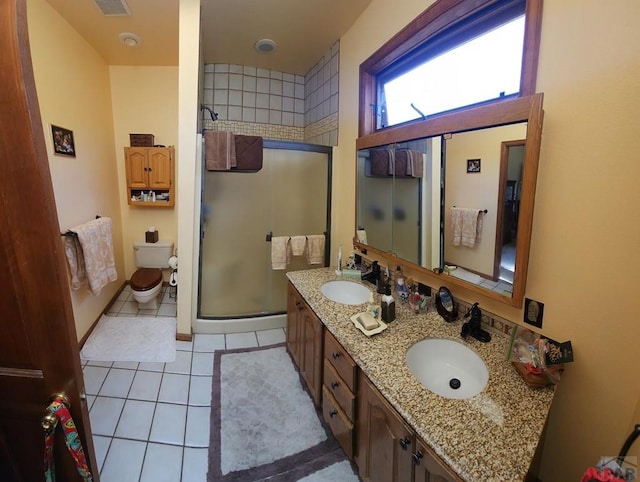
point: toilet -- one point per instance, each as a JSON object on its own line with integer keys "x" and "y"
{"x": 146, "y": 282}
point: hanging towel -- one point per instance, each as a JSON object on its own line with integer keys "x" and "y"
{"x": 380, "y": 161}
{"x": 219, "y": 150}
{"x": 96, "y": 241}
{"x": 248, "y": 153}
{"x": 280, "y": 252}
{"x": 466, "y": 226}
{"x": 73, "y": 251}
{"x": 315, "y": 249}
{"x": 298, "y": 244}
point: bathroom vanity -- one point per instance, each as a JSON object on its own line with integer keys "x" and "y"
{"x": 385, "y": 420}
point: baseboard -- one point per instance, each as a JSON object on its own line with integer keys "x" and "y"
{"x": 240, "y": 325}
{"x": 184, "y": 336}
{"x": 113, "y": 299}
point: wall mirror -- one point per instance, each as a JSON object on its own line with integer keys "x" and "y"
{"x": 483, "y": 158}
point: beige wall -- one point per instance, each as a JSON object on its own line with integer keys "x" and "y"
{"x": 72, "y": 82}
{"x": 145, "y": 101}
{"x": 584, "y": 254}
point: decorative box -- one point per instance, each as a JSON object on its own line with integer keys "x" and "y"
{"x": 151, "y": 236}
{"x": 141, "y": 140}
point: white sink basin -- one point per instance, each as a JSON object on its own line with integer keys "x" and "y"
{"x": 447, "y": 368}
{"x": 345, "y": 292}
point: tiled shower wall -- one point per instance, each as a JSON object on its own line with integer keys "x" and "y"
{"x": 273, "y": 104}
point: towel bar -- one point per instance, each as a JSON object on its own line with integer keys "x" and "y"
{"x": 71, "y": 233}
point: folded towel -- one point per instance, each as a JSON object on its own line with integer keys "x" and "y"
{"x": 248, "y": 153}
{"x": 298, "y": 244}
{"x": 219, "y": 150}
{"x": 96, "y": 240}
{"x": 280, "y": 252}
{"x": 466, "y": 226}
{"x": 381, "y": 160}
{"x": 315, "y": 249}
{"x": 75, "y": 259}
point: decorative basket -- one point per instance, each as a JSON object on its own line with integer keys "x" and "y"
{"x": 141, "y": 140}
{"x": 544, "y": 379}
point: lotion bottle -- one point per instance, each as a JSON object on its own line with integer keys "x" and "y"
{"x": 388, "y": 306}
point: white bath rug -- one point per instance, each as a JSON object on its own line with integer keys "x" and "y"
{"x": 132, "y": 339}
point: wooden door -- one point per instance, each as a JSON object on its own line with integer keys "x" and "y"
{"x": 160, "y": 167}
{"x": 38, "y": 344}
{"x": 137, "y": 167}
{"x": 385, "y": 443}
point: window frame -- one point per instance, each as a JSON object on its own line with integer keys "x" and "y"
{"x": 441, "y": 16}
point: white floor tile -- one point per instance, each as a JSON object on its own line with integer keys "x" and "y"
{"x": 90, "y": 400}
{"x": 167, "y": 298}
{"x": 241, "y": 340}
{"x": 270, "y": 337}
{"x": 202, "y": 364}
{"x": 151, "y": 366}
{"x": 184, "y": 345}
{"x": 198, "y": 423}
{"x": 208, "y": 343}
{"x": 117, "y": 305}
{"x": 130, "y": 365}
{"x": 162, "y": 463}
{"x": 135, "y": 421}
{"x": 194, "y": 465}
{"x": 174, "y": 388}
{"x": 101, "y": 445}
{"x": 124, "y": 461}
{"x": 168, "y": 424}
{"x": 129, "y": 307}
{"x": 146, "y": 386}
{"x": 147, "y": 312}
{"x": 104, "y": 415}
{"x": 182, "y": 364}
{"x": 93, "y": 378}
{"x": 167, "y": 309}
{"x": 98, "y": 363}
{"x": 117, "y": 383}
{"x": 200, "y": 391}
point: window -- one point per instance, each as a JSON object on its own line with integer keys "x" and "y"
{"x": 454, "y": 55}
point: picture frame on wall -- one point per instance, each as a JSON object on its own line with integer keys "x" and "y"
{"x": 473, "y": 165}
{"x": 63, "y": 142}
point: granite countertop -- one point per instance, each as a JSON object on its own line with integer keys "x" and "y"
{"x": 491, "y": 436}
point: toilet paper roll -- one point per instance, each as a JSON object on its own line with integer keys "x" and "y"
{"x": 173, "y": 279}
{"x": 173, "y": 262}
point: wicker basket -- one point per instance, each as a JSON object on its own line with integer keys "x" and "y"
{"x": 141, "y": 140}
{"x": 537, "y": 381}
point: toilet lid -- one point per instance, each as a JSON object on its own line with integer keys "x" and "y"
{"x": 145, "y": 278}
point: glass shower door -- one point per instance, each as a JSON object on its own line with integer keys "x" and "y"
{"x": 287, "y": 197}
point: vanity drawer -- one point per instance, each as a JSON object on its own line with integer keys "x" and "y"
{"x": 341, "y": 427}
{"x": 339, "y": 389}
{"x": 341, "y": 361}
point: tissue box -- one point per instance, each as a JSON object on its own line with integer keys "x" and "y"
{"x": 151, "y": 236}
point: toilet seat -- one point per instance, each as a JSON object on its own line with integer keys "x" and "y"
{"x": 145, "y": 279}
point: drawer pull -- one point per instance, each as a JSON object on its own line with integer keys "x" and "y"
{"x": 417, "y": 457}
{"x": 335, "y": 385}
{"x": 335, "y": 355}
{"x": 333, "y": 413}
{"x": 404, "y": 443}
{"x": 298, "y": 305}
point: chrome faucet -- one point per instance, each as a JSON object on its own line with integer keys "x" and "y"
{"x": 473, "y": 327}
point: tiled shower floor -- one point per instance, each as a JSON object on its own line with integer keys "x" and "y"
{"x": 150, "y": 421}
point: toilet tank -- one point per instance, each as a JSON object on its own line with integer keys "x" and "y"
{"x": 153, "y": 255}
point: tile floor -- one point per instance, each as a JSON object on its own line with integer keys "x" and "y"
{"x": 150, "y": 421}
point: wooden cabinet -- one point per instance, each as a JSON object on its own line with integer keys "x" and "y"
{"x": 387, "y": 448}
{"x": 150, "y": 169}
{"x": 338, "y": 392}
{"x": 305, "y": 342}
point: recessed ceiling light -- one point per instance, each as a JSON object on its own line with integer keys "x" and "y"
{"x": 130, "y": 39}
{"x": 265, "y": 45}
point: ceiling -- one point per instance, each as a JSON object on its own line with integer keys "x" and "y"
{"x": 303, "y": 30}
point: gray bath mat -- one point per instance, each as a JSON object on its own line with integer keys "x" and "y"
{"x": 132, "y": 339}
{"x": 264, "y": 425}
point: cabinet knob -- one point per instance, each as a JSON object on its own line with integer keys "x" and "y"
{"x": 298, "y": 305}
{"x": 417, "y": 457}
{"x": 333, "y": 413}
{"x": 335, "y": 355}
{"x": 335, "y": 385}
{"x": 405, "y": 442}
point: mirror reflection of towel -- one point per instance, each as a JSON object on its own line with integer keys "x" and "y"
{"x": 466, "y": 226}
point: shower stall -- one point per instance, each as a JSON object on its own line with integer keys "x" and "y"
{"x": 240, "y": 211}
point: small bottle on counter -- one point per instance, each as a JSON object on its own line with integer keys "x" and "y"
{"x": 388, "y": 306}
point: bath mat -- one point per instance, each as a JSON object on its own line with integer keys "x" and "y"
{"x": 141, "y": 339}
{"x": 264, "y": 424}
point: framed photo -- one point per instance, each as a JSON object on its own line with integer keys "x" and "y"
{"x": 473, "y": 165}
{"x": 63, "y": 141}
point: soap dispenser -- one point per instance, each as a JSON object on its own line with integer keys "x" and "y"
{"x": 388, "y": 306}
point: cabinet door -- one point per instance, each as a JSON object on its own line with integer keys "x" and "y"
{"x": 160, "y": 167}
{"x": 136, "y": 161}
{"x": 294, "y": 306}
{"x": 385, "y": 442}
{"x": 429, "y": 467}
{"x": 311, "y": 368}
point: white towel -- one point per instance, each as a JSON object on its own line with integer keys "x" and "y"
{"x": 280, "y": 252}
{"x": 298, "y": 244}
{"x": 315, "y": 249}
{"x": 96, "y": 241}
{"x": 466, "y": 226}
